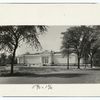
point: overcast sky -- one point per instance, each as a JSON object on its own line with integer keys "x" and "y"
{"x": 51, "y": 40}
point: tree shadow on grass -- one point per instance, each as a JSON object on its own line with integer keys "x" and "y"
{"x": 63, "y": 75}
{"x": 95, "y": 69}
{"x": 59, "y": 75}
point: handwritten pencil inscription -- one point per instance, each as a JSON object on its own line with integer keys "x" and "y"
{"x": 46, "y": 86}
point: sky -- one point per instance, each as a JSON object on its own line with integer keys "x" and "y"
{"x": 51, "y": 40}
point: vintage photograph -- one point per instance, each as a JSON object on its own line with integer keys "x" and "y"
{"x": 49, "y": 50}
{"x": 53, "y": 54}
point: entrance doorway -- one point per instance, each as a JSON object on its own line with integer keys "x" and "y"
{"x": 45, "y": 60}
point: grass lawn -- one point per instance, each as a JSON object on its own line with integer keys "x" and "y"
{"x": 52, "y": 75}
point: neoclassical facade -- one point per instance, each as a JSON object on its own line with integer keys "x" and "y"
{"x": 46, "y": 58}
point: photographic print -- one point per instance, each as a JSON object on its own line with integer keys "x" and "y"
{"x": 50, "y": 54}
{"x": 49, "y": 50}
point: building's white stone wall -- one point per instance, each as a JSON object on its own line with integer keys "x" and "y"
{"x": 20, "y": 60}
{"x": 59, "y": 59}
{"x": 31, "y": 59}
{"x": 73, "y": 58}
{"x": 56, "y": 58}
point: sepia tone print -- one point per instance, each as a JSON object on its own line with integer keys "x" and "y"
{"x": 31, "y": 54}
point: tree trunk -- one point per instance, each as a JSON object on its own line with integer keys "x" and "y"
{"x": 78, "y": 62}
{"x": 68, "y": 62}
{"x": 12, "y": 61}
{"x": 85, "y": 62}
{"x": 91, "y": 62}
{"x": 68, "y": 58}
